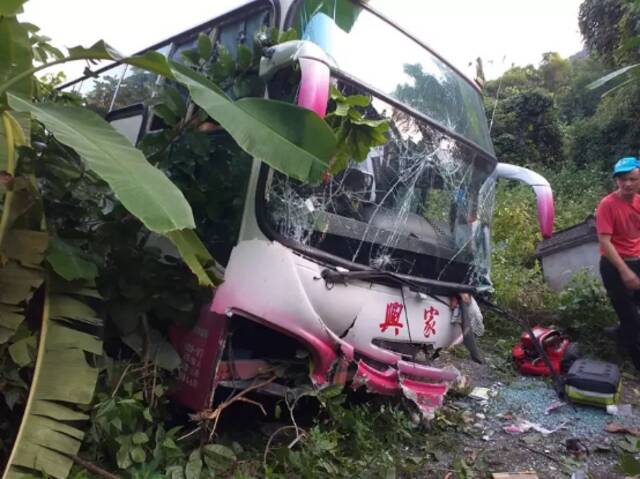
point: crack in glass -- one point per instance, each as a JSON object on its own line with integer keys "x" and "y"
{"x": 421, "y": 204}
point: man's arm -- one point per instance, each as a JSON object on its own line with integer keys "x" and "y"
{"x": 629, "y": 278}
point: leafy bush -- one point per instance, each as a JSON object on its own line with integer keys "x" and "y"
{"x": 517, "y": 276}
{"x": 584, "y": 308}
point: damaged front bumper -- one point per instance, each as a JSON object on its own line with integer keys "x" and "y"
{"x": 378, "y": 336}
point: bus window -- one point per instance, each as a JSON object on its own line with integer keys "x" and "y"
{"x": 98, "y": 92}
{"x": 242, "y": 31}
{"x": 183, "y": 47}
{"x": 137, "y": 84}
{"x": 135, "y": 87}
{"x": 256, "y": 23}
{"x": 128, "y": 121}
{"x": 73, "y": 88}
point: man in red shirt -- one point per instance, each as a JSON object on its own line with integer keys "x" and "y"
{"x": 618, "y": 225}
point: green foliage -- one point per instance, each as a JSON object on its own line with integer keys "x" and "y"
{"x": 547, "y": 113}
{"x": 555, "y": 71}
{"x": 83, "y": 207}
{"x": 11, "y": 8}
{"x": 610, "y": 29}
{"x": 128, "y": 433}
{"x": 69, "y": 262}
{"x": 584, "y": 308}
{"x": 292, "y": 140}
{"x": 146, "y": 287}
{"x": 49, "y": 432}
{"x": 128, "y": 422}
{"x": 516, "y": 275}
{"x": 621, "y": 72}
{"x": 613, "y": 131}
{"x": 577, "y": 191}
{"x": 142, "y": 189}
{"x": 526, "y": 129}
{"x": 238, "y": 76}
{"x": 376, "y": 437}
{"x": 356, "y": 134}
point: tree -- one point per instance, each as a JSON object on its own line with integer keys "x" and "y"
{"x": 613, "y": 131}
{"x": 526, "y": 129}
{"x": 555, "y": 71}
{"x": 576, "y": 101}
{"x": 610, "y": 29}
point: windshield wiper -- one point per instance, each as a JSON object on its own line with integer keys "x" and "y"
{"x": 421, "y": 285}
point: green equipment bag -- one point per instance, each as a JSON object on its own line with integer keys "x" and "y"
{"x": 595, "y": 383}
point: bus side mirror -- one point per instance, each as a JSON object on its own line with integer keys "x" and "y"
{"x": 315, "y": 70}
{"x": 542, "y": 189}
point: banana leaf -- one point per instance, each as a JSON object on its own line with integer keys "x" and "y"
{"x": 142, "y": 188}
{"x": 290, "y": 139}
{"x": 613, "y": 76}
{"x": 63, "y": 379}
{"x": 196, "y": 256}
{"x": 20, "y": 275}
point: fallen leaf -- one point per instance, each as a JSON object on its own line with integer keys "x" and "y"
{"x": 601, "y": 448}
{"x": 616, "y": 428}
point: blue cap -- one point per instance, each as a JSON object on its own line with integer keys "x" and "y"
{"x": 625, "y": 165}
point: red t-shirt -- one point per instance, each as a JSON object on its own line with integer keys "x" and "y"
{"x": 621, "y": 220}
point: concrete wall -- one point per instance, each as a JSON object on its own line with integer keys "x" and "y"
{"x": 559, "y": 267}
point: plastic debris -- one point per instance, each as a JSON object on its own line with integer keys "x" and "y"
{"x": 620, "y": 409}
{"x": 523, "y": 425}
{"x": 554, "y": 406}
{"x": 481, "y": 394}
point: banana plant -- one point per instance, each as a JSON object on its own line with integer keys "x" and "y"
{"x": 290, "y": 139}
{"x": 49, "y": 436}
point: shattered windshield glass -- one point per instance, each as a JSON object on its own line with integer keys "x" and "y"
{"x": 419, "y": 205}
{"x": 373, "y": 51}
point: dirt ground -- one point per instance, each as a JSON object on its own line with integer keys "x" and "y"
{"x": 472, "y": 442}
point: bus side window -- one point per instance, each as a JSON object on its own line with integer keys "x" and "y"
{"x": 128, "y": 121}
{"x": 254, "y": 25}
{"x": 98, "y": 92}
{"x": 137, "y": 85}
{"x": 241, "y": 32}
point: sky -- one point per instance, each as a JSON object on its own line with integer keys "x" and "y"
{"x": 501, "y": 32}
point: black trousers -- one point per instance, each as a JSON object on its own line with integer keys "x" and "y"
{"x": 625, "y": 303}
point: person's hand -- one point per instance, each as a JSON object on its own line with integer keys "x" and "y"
{"x": 630, "y": 280}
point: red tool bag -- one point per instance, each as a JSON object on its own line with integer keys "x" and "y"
{"x": 527, "y": 359}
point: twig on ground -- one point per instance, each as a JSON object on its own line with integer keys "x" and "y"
{"x": 275, "y": 433}
{"x": 120, "y": 380}
{"x": 291, "y": 407}
{"x": 91, "y": 467}
{"x": 189, "y": 434}
{"x": 153, "y": 384}
{"x": 208, "y": 415}
{"x": 548, "y": 456}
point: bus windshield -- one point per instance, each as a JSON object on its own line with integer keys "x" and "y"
{"x": 374, "y": 52}
{"x": 418, "y": 205}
